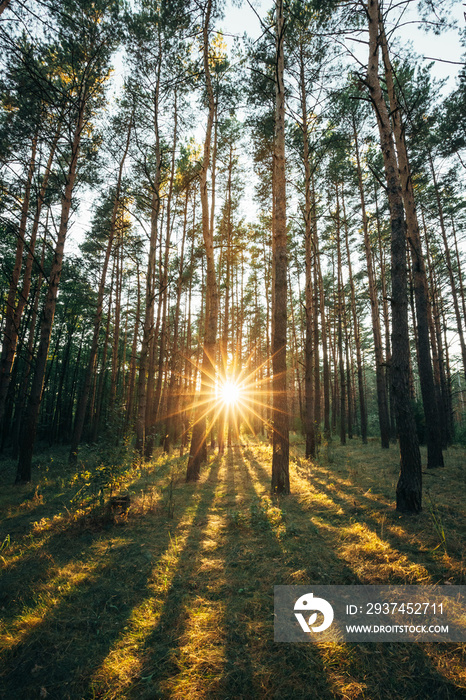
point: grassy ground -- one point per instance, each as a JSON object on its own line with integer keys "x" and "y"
{"x": 174, "y": 599}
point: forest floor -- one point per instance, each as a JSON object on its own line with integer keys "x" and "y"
{"x": 174, "y": 598}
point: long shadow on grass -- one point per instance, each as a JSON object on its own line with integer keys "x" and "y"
{"x": 159, "y": 653}
{"x": 237, "y": 679}
{"x": 300, "y": 555}
{"x": 44, "y": 553}
{"x": 61, "y": 650}
{"x": 256, "y": 560}
{"x": 376, "y": 671}
{"x": 361, "y": 506}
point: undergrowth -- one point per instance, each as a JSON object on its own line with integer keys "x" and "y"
{"x": 173, "y": 596}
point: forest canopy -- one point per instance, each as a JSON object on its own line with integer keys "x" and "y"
{"x": 204, "y": 237}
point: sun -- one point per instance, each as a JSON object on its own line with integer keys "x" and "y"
{"x": 231, "y": 397}
{"x": 230, "y": 393}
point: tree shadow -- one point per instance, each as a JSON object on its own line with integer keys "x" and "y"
{"x": 384, "y": 523}
{"x": 209, "y": 633}
{"x": 53, "y": 546}
{"x": 256, "y": 665}
{"x": 403, "y": 670}
{"x": 160, "y": 652}
{"x": 105, "y": 576}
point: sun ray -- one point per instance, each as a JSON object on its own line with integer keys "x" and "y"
{"x": 238, "y": 390}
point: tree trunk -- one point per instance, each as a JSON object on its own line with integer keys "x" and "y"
{"x": 132, "y": 362}
{"x": 22, "y": 392}
{"x": 3, "y": 5}
{"x": 198, "y": 449}
{"x": 421, "y": 293}
{"x": 357, "y": 336}
{"x": 459, "y": 322}
{"x": 116, "y": 323}
{"x": 148, "y": 328}
{"x": 340, "y": 312}
{"x": 99, "y": 388}
{"x": 324, "y": 338}
{"x": 29, "y": 427}
{"x": 224, "y": 413}
{"x": 155, "y": 408}
{"x": 90, "y": 370}
{"x": 386, "y": 320}
{"x": 172, "y": 400}
{"x": 10, "y": 333}
{"x": 316, "y": 303}
{"x": 280, "y": 443}
{"x": 384, "y": 421}
{"x": 309, "y": 361}
{"x": 409, "y": 487}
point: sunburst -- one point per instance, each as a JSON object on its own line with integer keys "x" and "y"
{"x": 229, "y": 393}
{"x": 233, "y": 395}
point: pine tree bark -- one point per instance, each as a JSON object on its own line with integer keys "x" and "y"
{"x": 316, "y": 304}
{"x": 437, "y": 350}
{"x": 409, "y": 487}
{"x": 324, "y": 338}
{"x": 280, "y": 440}
{"x": 172, "y": 400}
{"x": 224, "y": 413}
{"x": 132, "y": 362}
{"x": 116, "y": 322}
{"x": 154, "y": 407}
{"x": 458, "y": 265}
{"x": 90, "y": 370}
{"x": 386, "y": 319}
{"x": 20, "y": 403}
{"x": 11, "y": 329}
{"x": 459, "y": 321}
{"x": 198, "y": 448}
{"x": 3, "y": 5}
{"x": 421, "y": 292}
{"x": 340, "y": 312}
{"x": 357, "y": 335}
{"x": 150, "y": 427}
{"x": 100, "y": 379}
{"x": 309, "y": 362}
{"x": 148, "y": 327}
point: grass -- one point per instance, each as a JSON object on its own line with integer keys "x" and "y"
{"x": 174, "y": 598}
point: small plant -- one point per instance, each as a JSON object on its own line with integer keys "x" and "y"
{"x": 265, "y": 515}
{"x": 98, "y": 485}
{"x": 236, "y": 518}
{"x": 4, "y": 546}
{"x": 148, "y": 498}
{"x": 437, "y": 522}
{"x": 169, "y": 500}
{"x": 258, "y": 518}
{"x": 258, "y": 513}
{"x": 37, "y": 497}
